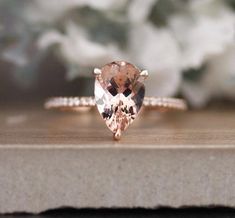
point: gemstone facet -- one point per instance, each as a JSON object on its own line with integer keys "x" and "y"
{"x": 119, "y": 94}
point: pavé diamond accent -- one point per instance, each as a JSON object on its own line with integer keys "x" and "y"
{"x": 119, "y": 95}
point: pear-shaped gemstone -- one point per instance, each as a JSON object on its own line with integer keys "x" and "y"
{"x": 119, "y": 94}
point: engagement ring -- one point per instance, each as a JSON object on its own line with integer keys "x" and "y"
{"x": 119, "y": 96}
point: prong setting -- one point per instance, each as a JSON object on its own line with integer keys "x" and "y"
{"x": 144, "y": 74}
{"x": 117, "y": 135}
{"x": 97, "y": 72}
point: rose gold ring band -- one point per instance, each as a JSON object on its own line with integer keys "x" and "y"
{"x": 73, "y": 103}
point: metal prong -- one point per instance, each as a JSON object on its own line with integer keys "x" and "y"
{"x": 117, "y": 135}
{"x": 97, "y": 71}
{"x": 144, "y": 73}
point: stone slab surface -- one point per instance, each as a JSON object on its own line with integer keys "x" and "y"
{"x": 53, "y": 159}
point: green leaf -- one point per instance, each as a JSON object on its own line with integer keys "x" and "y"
{"x": 194, "y": 75}
{"x": 231, "y": 3}
{"x": 163, "y": 9}
{"x": 102, "y": 27}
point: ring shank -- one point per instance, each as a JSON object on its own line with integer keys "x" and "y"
{"x": 73, "y": 103}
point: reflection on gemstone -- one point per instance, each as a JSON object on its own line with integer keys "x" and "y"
{"x": 119, "y": 94}
{"x": 112, "y": 90}
{"x": 127, "y": 92}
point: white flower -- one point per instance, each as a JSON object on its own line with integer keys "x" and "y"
{"x": 201, "y": 32}
{"x": 77, "y": 50}
{"x": 156, "y": 50}
{"x": 51, "y": 10}
{"x": 218, "y": 80}
{"x": 207, "y": 29}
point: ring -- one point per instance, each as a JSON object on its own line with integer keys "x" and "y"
{"x": 119, "y": 96}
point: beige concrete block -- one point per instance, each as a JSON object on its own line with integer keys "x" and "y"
{"x": 50, "y": 160}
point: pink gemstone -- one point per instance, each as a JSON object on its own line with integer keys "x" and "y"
{"x": 119, "y": 94}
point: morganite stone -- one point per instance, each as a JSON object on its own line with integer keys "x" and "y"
{"x": 119, "y": 94}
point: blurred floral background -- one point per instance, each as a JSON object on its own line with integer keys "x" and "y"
{"x": 49, "y": 47}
